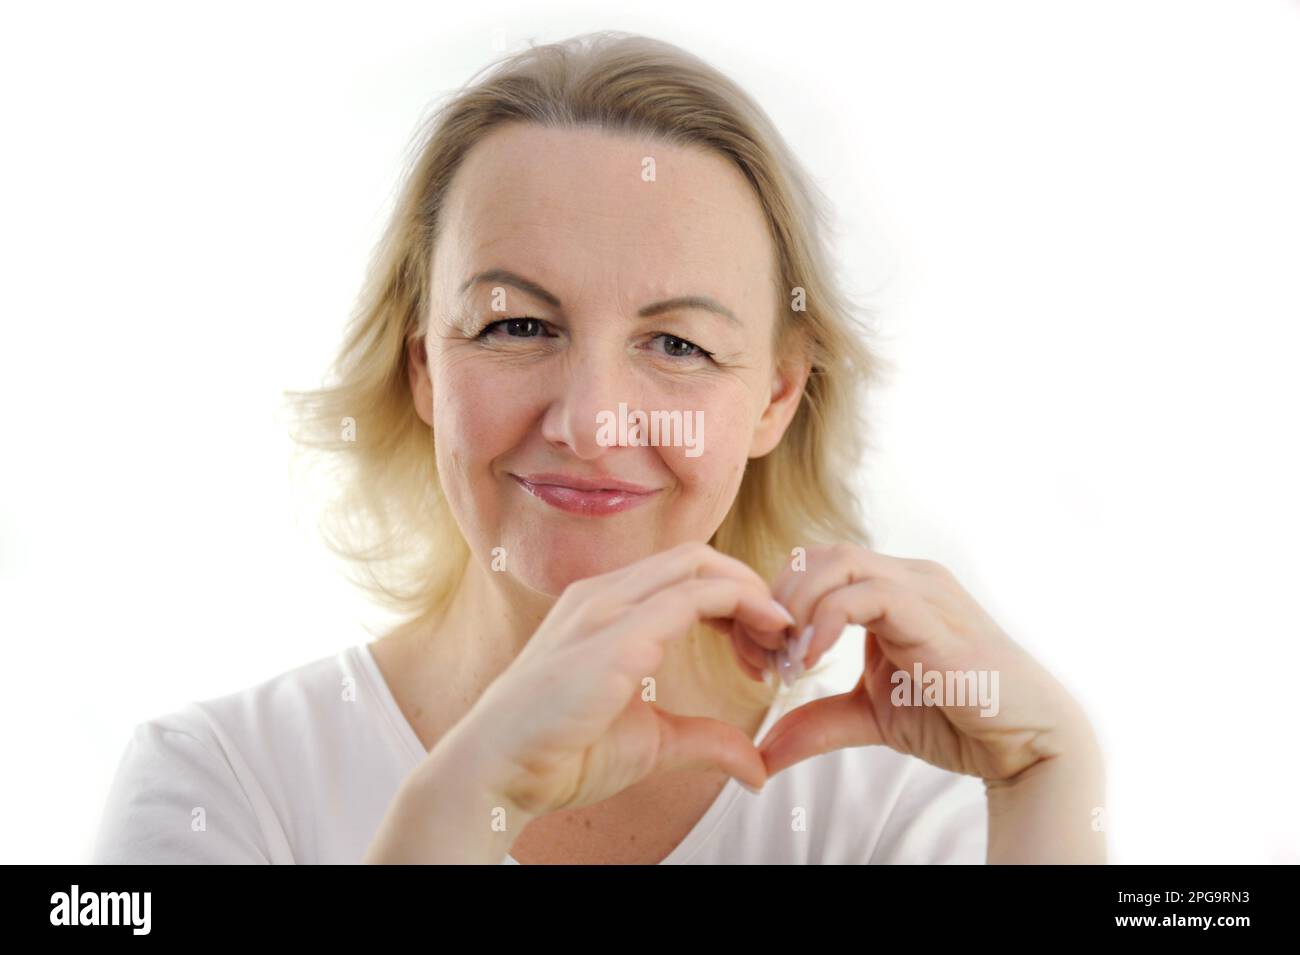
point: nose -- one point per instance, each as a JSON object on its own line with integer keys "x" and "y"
{"x": 592, "y": 379}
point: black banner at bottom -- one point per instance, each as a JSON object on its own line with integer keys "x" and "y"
{"x": 228, "y": 903}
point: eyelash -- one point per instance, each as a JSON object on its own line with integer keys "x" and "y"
{"x": 699, "y": 352}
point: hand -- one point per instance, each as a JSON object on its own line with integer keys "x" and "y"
{"x": 915, "y": 611}
{"x": 565, "y": 725}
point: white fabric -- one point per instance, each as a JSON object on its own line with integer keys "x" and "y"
{"x": 301, "y": 769}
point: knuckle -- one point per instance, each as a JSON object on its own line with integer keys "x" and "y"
{"x": 696, "y": 553}
{"x": 697, "y": 587}
{"x": 820, "y": 550}
{"x": 844, "y": 551}
{"x": 578, "y": 589}
{"x": 932, "y": 568}
{"x": 693, "y": 549}
{"x": 585, "y": 599}
{"x": 888, "y": 587}
{"x": 636, "y": 657}
{"x": 834, "y": 604}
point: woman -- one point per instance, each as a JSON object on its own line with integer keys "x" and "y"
{"x": 613, "y": 617}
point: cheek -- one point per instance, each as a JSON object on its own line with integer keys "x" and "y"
{"x": 474, "y": 415}
{"x": 723, "y": 444}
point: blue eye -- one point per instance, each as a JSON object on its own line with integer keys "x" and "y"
{"x": 675, "y": 347}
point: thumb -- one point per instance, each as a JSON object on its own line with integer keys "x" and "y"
{"x": 701, "y": 743}
{"x": 825, "y": 724}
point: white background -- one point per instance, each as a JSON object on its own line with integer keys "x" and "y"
{"x": 1080, "y": 222}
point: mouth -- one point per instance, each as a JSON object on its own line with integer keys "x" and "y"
{"x": 590, "y": 497}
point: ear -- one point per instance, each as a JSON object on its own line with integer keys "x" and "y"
{"x": 417, "y": 373}
{"x": 789, "y": 376}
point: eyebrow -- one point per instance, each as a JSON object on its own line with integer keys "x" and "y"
{"x": 504, "y": 277}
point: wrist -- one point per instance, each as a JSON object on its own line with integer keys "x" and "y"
{"x": 461, "y": 767}
{"x": 1053, "y": 810}
{"x": 1070, "y": 743}
{"x": 448, "y": 812}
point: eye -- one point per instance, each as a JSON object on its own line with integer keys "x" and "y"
{"x": 675, "y": 347}
{"x": 515, "y": 328}
{"x": 526, "y": 327}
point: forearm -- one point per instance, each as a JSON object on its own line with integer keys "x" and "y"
{"x": 444, "y": 813}
{"x": 1049, "y": 812}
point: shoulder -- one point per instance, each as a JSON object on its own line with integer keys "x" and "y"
{"x": 273, "y": 725}
{"x": 177, "y": 797}
{"x": 198, "y": 784}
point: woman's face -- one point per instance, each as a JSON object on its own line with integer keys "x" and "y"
{"x": 555, "y": 251}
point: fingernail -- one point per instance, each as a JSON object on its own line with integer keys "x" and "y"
{"x": 749, "y": 787}
{"x": 783, "y": 612}
{"x": 785, "y": 666}
{"x": 792, "y": 654}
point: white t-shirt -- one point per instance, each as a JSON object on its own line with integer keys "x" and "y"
{"x": 302, "y": 767}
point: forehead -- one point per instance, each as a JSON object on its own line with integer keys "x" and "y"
{"x": 572, "y": 209}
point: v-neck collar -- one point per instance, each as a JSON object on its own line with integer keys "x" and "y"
{"x": 400, "y": 726}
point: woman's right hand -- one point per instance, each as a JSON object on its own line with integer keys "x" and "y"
{"x": 565, "y": 724}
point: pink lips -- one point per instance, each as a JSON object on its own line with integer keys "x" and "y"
{"x": 593, "y": 497}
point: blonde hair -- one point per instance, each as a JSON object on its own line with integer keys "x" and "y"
{"x": 391, "y": 519}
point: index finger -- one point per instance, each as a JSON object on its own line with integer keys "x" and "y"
{"x": 641, "y": 579}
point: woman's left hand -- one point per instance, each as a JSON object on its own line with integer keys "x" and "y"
{"x": 915, "y": 612}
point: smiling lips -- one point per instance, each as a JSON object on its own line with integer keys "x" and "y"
{"x": 592, "y": 497}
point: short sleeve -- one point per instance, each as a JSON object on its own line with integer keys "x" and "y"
{"x": 940, "y": 818}
{"x": 176, "y": 799}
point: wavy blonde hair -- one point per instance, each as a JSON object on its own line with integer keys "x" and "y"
{"x": 390, "y": 518}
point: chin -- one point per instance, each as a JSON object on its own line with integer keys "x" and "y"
{"x": 549, "y": 564}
